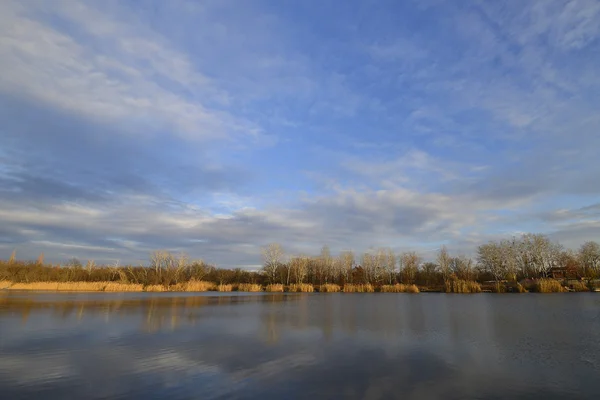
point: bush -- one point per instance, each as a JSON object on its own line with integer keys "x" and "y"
{"x": 364, "y": 288}
{"x": 274, "y": 287}
{"x": 547, "y": 285}
{"x": 329, "y": 288}
{"x": 225, "y": 288}
{"x": 462, "y": 286}
{"x": 249, "y": 287}
{"x": 399, "y": 288}
{"x": 579, "y": 287}
{"x": 301, "y": 287}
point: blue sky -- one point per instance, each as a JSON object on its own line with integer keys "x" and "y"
{"x": 216, "y": 127}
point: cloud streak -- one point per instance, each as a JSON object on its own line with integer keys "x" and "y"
{"x": 215, "y": 129}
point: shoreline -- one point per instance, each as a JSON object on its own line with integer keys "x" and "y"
{"x": 203, "y": 286}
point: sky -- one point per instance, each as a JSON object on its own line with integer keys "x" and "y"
{"x": 216, "y": 127}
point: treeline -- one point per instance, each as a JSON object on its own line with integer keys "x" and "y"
{"x": 165, "y": 268}
{"x": 531, "y": 256}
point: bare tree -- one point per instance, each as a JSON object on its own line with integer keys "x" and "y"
{"x": 299, "y": 267}
{"x": 348, "y": 264}
{"x": 542, "y": 253}
{"x": 589, "y": 256}
{"x": 463, "y": 268}
{"x": 443, "y": 261}
{"x": 326, "y": 262}
{"x": 410, "y": 262}
{"x": 272, "y": 256}
{"x": 390, "y": 265}
{"x": 368, "y": 265}
{"x": 490, "y": 259}
{"x": 429, "y": 272}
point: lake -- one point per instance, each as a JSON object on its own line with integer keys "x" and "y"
{"x": 299, "y": 346}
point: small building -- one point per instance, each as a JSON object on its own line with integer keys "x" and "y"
{"x": 564, "y": 273}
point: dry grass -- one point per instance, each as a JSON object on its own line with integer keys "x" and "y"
{"x": 301, "y": 287}
{"x": 575, "y": 286}
{"x": 79, "y": 286}
{"x": 329, "y": 288}
{"x": 198, "y": 286}
{"x": 225, "y": 288}
{"x": 277, "y": 287}
{"x": 156, "y": 288}
{"x": 5, "y": 284}
{"x": 548, "y": 286}
{"x": 35, "y": 286}
{"x": 249, "y": 287}
{"x": 366, "y": 288}
{"x": 461, "y": 286}
{"x": 400, "y": 288}
{"x": 123, "y": 287}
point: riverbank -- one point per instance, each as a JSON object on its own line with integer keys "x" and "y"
{"x": 457, "y": 286}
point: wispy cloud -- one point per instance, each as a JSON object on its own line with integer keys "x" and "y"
{"x": 217, "y": 127}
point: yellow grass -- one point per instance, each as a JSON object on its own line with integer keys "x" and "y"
{"x": 549, "y": 286}
{"x": 575, "y": 286}
{"x": 302, "y": 287}
{"x": 79, "y": 286}
{"x": 400, "y": 288}
{"x": 249, "y": 287}
{"x": 225, "y": 288}
{"x": 123, "y": 287}
{"x": 156, "y": 288}
{"x": 461, "y": 286}
{"x": 198, "y": 286}
{"x": 329, "y": 288}
{"x": 366, "y": 288}
{"x": 5, "y": 284}
{"x": 274, "y": 288}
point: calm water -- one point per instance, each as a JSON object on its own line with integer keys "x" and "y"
{"x": 357, "y": 346}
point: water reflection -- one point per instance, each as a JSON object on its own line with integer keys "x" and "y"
{"x": 299, "y": 346}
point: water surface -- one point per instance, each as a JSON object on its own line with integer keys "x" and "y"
{"x": 279, "y": 346}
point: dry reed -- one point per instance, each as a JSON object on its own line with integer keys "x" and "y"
{"x": 329, "y": 288}
{"x": 301, "y": 287}
{"x": 575, "y": 286}
{"x": 225, "y": 288}
{"x": 461, "y": 286}
{"x": 277, "y": 287}
{"x": 78, "y": 286}
{"x": 548, "y": 286}
{"x": 156, "y": 288}
{"x": 5, "y": 284}
{"x": 123, "y": 287}
{"x": 400, "y": 288}
{"x": 198, "y": 286}
{"x": 363, "y": 288}
{"x": 249, "y": 287}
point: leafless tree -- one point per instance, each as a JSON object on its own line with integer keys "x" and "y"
{"x": 390, "y": 265}
{"x": 299, "y": 267}
{"x": 463, "y": 268}
{"x": 348, "y": 264}
{"x": 542, "y": 253}
{"x": 326, "y": 263}
{"x": 410, "y": 262}
{"x": 443, "y": 261}
{"x": 272, "y": 256}
{"x": 490, "y": 259}
{"x": 368, "y": 265}
{"x": 589, "y": 255}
